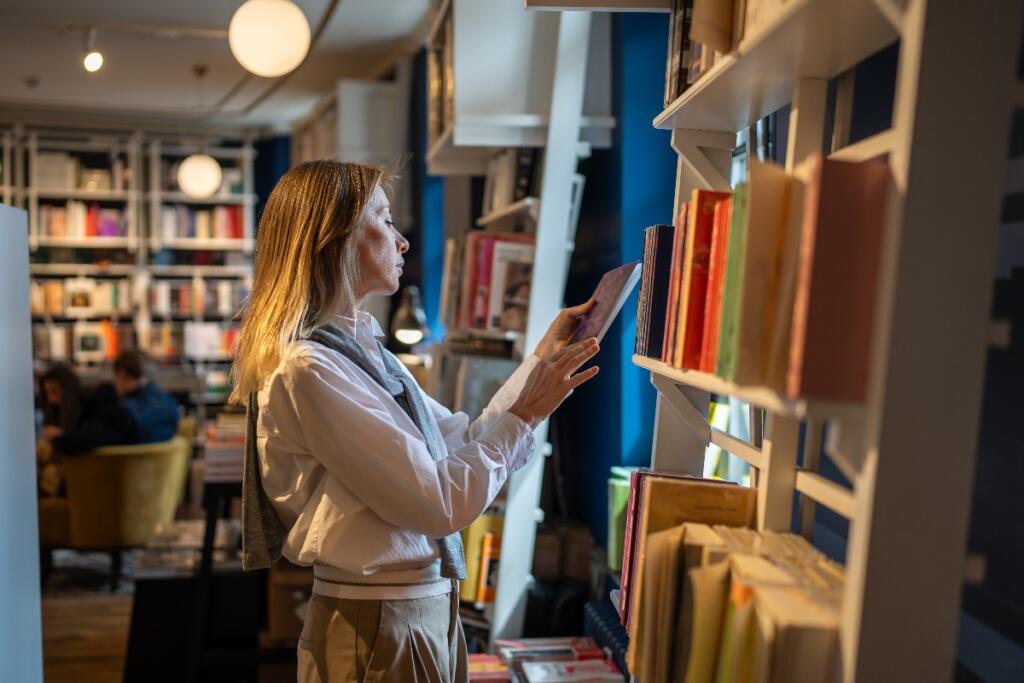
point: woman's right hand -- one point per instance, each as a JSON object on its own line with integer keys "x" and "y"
{"x": 552, "y": 380}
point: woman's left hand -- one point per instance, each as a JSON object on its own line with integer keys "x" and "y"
{"x": 561, "y": 330}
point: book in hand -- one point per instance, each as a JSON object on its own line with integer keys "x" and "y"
{"x": 611, "y": 293}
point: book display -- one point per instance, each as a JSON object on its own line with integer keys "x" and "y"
{"x": 819, "y": 293}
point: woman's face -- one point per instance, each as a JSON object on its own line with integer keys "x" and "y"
{"x": 379, "y": 249}
{"x": 52, "y": 391}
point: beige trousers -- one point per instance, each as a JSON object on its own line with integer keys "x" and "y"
{"x": 383, "y": 641}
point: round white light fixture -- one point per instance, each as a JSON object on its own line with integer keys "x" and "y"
{"x": 199, "y": 176}
{"x": 93, "y": 61}
{"x": 269, "y": 37}
{"x": 409, "y": 337}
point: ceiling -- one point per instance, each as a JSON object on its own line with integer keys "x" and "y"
{"x": 150, "y": 48}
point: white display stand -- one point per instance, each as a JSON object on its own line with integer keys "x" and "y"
{"x": 21, "y": 651}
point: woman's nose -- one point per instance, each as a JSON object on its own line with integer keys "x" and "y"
{"x": 403, "y": 244}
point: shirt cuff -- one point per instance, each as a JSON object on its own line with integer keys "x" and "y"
{"x": 514, "y": 439}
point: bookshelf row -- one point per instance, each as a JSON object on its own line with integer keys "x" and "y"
{"x": 100, "y": 341}
{"x": 768, "y": 293}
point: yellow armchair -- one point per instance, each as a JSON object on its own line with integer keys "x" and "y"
{"x": 116, "y": 497}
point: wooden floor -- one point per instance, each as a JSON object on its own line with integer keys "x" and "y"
{"x": 85, "y": 636}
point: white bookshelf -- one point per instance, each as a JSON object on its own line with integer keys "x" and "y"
{"x": 910, "y": 448}
{"x": 523, "y": 79}
{"x": 502, "y": 80}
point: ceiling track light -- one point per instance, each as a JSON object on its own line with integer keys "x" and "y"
{"x": 92, "y": 58}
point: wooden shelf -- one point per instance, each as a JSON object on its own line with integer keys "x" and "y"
{"x": 762, "y": 397}
{"x": 98, "y": 195}
{"x": 526, "y": 207}
{"x": 191, "y": 243}
{"x": 85, "y": 242}
{"x": 216, "y": 200}
{"x": 808, "y": 38}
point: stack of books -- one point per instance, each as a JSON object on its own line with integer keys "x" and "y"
{"x": 551, "y": 660}
{"x": 492, "y": 291}
{"x": 773, "y": 285}
{"x": 222, "y": 297}
{"x": 705, "y": 598}
{"x": 81, "y": 297}
{"x": 225, "y": 448}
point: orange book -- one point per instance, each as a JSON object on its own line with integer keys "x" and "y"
{"x": 675, "y": 284}
{"x": 837, "y": 280}
{"x": 490, "y": 555}
{"x": 690, "y": 326}
{"x": 716, "y": 277}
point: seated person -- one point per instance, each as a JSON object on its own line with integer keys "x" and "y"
{"x": 62, "y": 408}
{"x": 133, "y": 411}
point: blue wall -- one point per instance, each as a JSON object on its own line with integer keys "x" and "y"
{"x": 610, "y": 420}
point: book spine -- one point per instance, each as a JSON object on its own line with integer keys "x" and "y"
{"x": 675, "y": 278}
{"x": 713, "y": 299}
{"x": 660, "y": 283}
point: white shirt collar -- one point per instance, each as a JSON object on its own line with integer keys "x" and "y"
{"x": 363, "y": 322}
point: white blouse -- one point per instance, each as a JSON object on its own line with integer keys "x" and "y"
{"x": 350, "y": 475}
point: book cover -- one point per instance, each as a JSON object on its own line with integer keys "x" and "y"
{"x": 713, "y": 300}
{"x": 481, "y": 297}
{"x": 632, "y": 503}
{"x": 837, "y": 280}
{"x": 642, "y": 297}
{"x": 490, "y": 557}
{"x": 712, "y": 24}
{"x": 675, "y": 284}
{"x": 511, "y": 277}
{"x": 695, "y": 277}
{"x": 769, "y": 188}
{"x": 732, "y": 288}
{"x": 660, "y": 283}
{"x": 611, "y": 293}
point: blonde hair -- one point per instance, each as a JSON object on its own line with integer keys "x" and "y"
{"x": 306, "y": 267}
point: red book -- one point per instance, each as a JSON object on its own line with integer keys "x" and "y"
{"x": 695, "y": 279}
{"x": 675, "y": 284}
{"x": 716, "y": 277}
{"x": 235, "y": 221}
{"x": 632, "y": 505}
{"x": 482, "y": 291}
{"x": 837, "y": 280}
{"x": 92, "y": 221}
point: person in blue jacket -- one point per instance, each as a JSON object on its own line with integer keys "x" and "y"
{"x": 134, "y": 410}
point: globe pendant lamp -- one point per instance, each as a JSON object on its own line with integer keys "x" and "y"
{"x": 269, "y": 37}
{"x": 199, "y": 175}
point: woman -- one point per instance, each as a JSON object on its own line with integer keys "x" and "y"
{"x": 62, "y": 410}
{"x": 349, "y": 467}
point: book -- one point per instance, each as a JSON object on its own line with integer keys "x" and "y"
{"x": 610, "y": 294}
{"x": 732, "y": 287}
{"x": 713, "y": 299}
{"x": 559, "y": 648}
{"x": 712, "y": 24}
{"x": 690, "y": 324}
{"x": 664, "y": 240}
{"x": 484, "y": 667}
{"x": 450, "y": 281}
{"x": 669, "y": 502}
{"x": 482, "y": 287}
{"x": 592, "y": 671}
{"x": 675, "y": 284}
{"x": 490, "y": 555}
{"x": 467, "y": 294}
{"x": 643, "y": 298}
{"x": 511, "y": 276}
{"x": 837, "y": 280}
{"x": 795, "y": 636}
{"x": 770, "y": 190}
{"x": 473, "y": 540}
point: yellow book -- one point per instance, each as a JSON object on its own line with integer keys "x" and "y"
{"x": 472, "y": 540}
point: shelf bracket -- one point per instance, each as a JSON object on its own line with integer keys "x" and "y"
{"x": 679, "y": 439}
{"x": 706, "y": 158}
{"x": 679, "y": 398}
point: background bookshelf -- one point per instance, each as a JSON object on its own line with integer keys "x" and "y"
{"x": 7, "y": 154}
{"x": 905, "y": 563}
